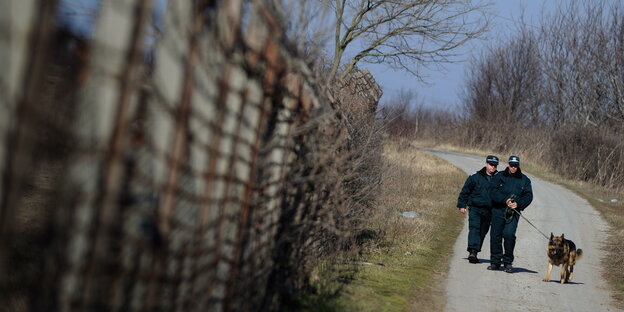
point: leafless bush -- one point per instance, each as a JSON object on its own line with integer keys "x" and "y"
{"x": 405, "y": 117}
{"x": 587, "y": 154}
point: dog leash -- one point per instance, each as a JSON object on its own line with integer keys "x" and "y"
{"x": 527, "y": 220}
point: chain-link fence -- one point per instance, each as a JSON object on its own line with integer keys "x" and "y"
{"x": 198, "y": 169}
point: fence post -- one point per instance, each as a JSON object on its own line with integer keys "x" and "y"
{"x": 26, "y": 29}
{"x": 104, "y": 110}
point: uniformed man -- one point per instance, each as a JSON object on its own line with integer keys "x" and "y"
{"x": 474, "y": 197}
{"x": 511, "y": 191}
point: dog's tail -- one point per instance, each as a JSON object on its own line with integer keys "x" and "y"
{"x": 579, "y": 254}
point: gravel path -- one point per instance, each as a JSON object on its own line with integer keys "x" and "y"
{"x": 554, "y": 209}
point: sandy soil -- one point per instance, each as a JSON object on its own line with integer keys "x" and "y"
{"x": 470, "y": 287}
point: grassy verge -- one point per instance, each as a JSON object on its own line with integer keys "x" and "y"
{"x": 407, "y": 260}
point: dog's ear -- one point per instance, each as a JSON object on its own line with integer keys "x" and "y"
{"x": 561, "y": 235}
{"x": 551, "y": 235}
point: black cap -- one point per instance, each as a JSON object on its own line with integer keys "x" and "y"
{"x": 514, "y": 160}
{"x": 492, "y": 160}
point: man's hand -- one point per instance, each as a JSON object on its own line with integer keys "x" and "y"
{"x": 511, "y": 204}
{"x": 463, "y": 210}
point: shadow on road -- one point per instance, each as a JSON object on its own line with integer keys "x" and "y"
{"x": 568, "y": 283}
{"x": 480, "y": 260}
{"x": 523, "y": 270}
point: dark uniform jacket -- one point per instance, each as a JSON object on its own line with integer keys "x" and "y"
{"x": 476, "y": 191}
{"x": 505, "y": 184}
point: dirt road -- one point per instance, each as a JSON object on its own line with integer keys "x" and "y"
{"x": 554, "y": 209}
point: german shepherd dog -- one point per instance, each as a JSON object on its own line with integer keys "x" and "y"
{"x": 562, "y": 252}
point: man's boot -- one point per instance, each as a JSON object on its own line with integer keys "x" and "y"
{"x": 494, "y": 267}
{"x": 508, "y": 268}
{"x": 472, "y": 257}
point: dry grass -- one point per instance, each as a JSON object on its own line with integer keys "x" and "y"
{"x": 408, "y": 184}
{"x": 406, "y": 262}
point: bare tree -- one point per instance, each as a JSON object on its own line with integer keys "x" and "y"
{"x": 403, "y": 34}
{"x": 613, "y": 63}
{"x": 581, "y": 57}
{"x": 479, "y": 90}
{"x": 505, "y": 84}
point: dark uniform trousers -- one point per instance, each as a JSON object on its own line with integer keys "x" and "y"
{"x": 503, "y": 229}
{"x": 478, "y": 225}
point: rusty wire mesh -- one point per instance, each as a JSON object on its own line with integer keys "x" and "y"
{"x": 201, "y": 170}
